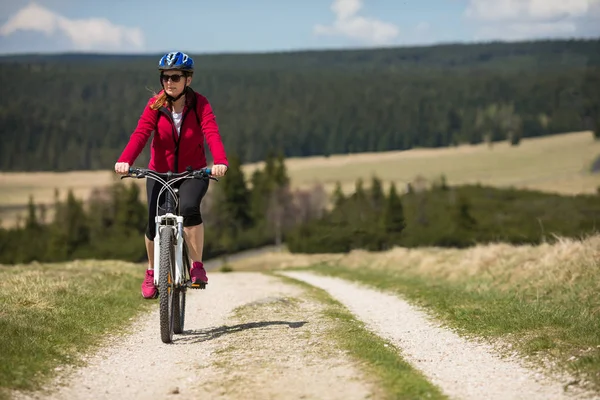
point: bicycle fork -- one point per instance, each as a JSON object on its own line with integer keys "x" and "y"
{"x": 179, "y": 266}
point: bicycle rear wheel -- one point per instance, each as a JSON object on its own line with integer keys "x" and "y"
{"x": 166, "y": 284}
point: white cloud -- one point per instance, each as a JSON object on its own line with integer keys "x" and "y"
{"x": 85, "y": 34}
{"x": 348, "y": 23}
{"x": 523, "y": 19}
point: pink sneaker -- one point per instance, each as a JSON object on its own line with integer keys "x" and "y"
{"x": 149, "y": 291}
{"x": 198, "y": 273}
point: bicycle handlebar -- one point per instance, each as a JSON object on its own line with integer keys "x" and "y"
{"x": 140, "y": 173}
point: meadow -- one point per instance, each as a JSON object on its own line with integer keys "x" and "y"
{"x": 557, "y": 164}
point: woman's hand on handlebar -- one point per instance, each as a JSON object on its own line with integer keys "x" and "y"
{"x": 218, "y": 170}
{"x": 122, "y": 168}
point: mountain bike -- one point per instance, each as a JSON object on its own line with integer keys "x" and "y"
{"x": 171, "y": 260}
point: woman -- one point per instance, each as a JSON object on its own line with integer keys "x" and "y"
{"x": 181, "y": 119}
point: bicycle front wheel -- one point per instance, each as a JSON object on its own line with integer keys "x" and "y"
{"x": 178, "y": 310}
{"x": 166, "y": 284}
{"x": 179, "y": 299}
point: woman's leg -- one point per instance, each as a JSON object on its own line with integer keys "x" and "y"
{"x": 149, "y": 251}
{"x": 152, "y": 190}
{"x": 191, "y": 193}
{"x": 149, "y": 291}
{"x": 194, "y": 237}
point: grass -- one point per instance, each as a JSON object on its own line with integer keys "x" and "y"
{"x": 396, "y": 378}
{"x": 557, "y": 163}
{"x": 53, "y": 313}
{"x": 540, "y": 301}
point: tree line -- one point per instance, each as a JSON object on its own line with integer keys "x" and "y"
{"x": 74, "y": 112}
{"x": 238, "y": 214}
{"x": 444, "y": 216}
{"x": 241, "y": 213}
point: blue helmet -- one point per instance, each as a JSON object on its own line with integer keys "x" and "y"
{"x": 176, "y": 60}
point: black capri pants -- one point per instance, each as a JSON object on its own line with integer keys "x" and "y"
{"x": 191, "y": 192}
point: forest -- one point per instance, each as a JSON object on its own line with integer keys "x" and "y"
{"x": 242, "y": 214}
{"x": 76, "y": 111}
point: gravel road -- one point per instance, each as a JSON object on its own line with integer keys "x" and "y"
{"x": 253, "y": 336}
{"x": 461, "y": 368}
{"x": 247, "y": 336}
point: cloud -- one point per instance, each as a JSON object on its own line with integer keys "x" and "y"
{"x": 84, "y": 34}
{"x": 349, "y": 24}
{"x": 524, "y": 19}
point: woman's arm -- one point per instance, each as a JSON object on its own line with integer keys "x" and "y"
{"x": 138, "y": 139}
{"x": 211, "y": 132}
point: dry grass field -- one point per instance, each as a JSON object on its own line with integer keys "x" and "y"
{"x": 548, "y": 264}
{"x": 558, "y": 163}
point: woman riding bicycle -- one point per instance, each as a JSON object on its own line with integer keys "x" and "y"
{"x": 181, "y": 119}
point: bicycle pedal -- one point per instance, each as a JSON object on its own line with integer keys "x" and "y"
{"x": 200, "y": 285}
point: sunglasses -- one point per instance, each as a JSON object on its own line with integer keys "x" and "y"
{"x": 174, "y": 78}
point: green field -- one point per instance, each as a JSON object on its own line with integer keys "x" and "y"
{"x": 53, "y": 313}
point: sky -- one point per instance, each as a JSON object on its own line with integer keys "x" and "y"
{"x": 227, "y": 26}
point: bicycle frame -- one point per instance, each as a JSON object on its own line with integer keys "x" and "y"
{"x": 171, "y": 218}
{"x": 171, "y": 261}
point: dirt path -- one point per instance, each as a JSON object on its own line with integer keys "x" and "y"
{"x": 248, "y": 336}
{"x": 461, "y": 368}
{"x": 253, "y": 336}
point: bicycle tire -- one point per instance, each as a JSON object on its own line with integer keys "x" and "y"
{"x": 165, "y": 288}
{"x": 179, "y": 300}
{"x": 177, "y": 312}
{"x": 182, "y": 308}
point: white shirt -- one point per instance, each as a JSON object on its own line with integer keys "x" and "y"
{"x": 177, "y": 120}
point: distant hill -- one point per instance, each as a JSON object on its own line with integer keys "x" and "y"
{"x": 76, "y": 111}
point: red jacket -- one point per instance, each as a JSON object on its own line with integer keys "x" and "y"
{"x": 165, "y": 148}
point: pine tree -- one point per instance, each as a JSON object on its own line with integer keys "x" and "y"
{"x": 280, "y": 176}
{"x": 57, "y": 249}
{"x": 360, "y": 202}
{"x": 280, "y": 211}
{"x": 338, "y": 196}
{"x": 270, "y": 167}
{"x": 236, "y": 196}
{"x": 130, "y": 214}
{"x": 393, "y": 214}
{"x": 75, "y": 224}
{"x": 376, "y": 194}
